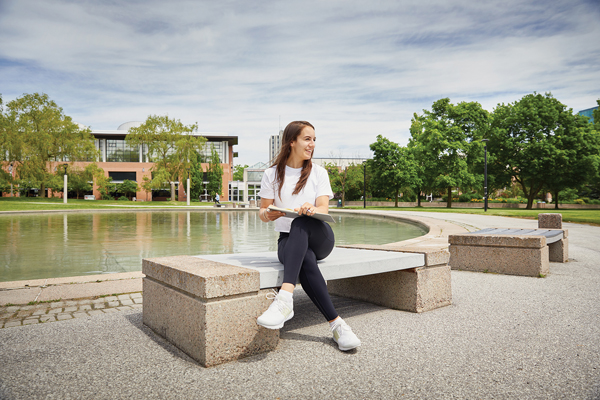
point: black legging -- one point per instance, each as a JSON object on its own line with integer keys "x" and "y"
{"x": 309, "y": 240}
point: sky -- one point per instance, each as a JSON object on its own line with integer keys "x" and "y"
{"x": 354, "y": 69}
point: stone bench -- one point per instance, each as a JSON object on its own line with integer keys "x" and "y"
{"x": 207, "y": 305}
{"x": 525, "y": 252}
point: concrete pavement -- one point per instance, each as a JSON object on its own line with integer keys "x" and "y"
{"x": 504, "y": 337}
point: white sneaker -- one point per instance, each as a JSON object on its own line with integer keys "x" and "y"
{"x": 344, "y": 337}
{"x": 278, "y": 312}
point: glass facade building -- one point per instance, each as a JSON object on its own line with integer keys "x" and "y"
{"x": 588, "y": 113}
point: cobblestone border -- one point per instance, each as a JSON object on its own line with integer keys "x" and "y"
{"x": 20, "y": 315}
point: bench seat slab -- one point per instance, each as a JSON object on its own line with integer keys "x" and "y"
{"x": 341, "y": 263}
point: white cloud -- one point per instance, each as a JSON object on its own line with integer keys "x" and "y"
{"x": 354, "y": 69}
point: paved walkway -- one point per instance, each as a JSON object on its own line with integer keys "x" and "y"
{"x": 19, "y": 315}
{"x": 504, "y": 337}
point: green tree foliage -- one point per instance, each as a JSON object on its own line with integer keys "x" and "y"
{"x": 346, "y": 182}
{"x": 37, "y": 131}
{"x": 540, "y": 143}
{"x": 214, "y": 174}
{"x": 394, "y": 168}
{"x": 446, "y": 147}
{"x": 105, "y": 186}
{"x": 197, "y": 177}
{"x": 78, "y": 181}
{"x": 171, "y": 147}
{"x": 128, "y": 188}
{"x": 238, "y": 172}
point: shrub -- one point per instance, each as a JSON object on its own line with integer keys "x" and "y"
{"x": 467, "y": 197}
{"x": 123, "y": 198}
{"x": 579, "y": 201}
{"x": 445, "y": 198}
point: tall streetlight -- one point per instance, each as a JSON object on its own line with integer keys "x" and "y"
{"x": 10, "y": 169}
{"x": 365, "y": 184}
{"x": 65, "y": 182}
{"x": 188, "y": 186}
{"x": 485, "y": 186}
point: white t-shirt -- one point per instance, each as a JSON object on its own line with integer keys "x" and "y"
{"x": 317, "y": 185}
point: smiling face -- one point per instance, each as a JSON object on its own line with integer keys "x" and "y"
{"x": 304, "y": 145}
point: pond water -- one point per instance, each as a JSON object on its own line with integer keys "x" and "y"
{"x": 39, "y": 246}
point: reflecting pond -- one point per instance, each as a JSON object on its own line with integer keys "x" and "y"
{"x": 38, "y": 246}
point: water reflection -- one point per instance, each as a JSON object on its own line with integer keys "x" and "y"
{"x": 72, "y": 244}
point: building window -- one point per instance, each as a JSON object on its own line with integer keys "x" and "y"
{"x": 207, "y": 149}
{"x": 117, "y": 150}
{"x": 121, "y": 176}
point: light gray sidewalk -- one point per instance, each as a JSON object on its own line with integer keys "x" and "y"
{"x": 504, "y": 337}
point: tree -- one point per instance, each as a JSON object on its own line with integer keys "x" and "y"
{"x": 171, "y": 147}
{"x": 345, "y": 180}
{"x": 394, "y": 167}
{"x": 128, "y": 188}
{"x": 78, "y": 181}
{"x": 214, "y": 174}
{"x": 445, "y": 143}
{"x": 105, "y": 186}
{"x": 238, "y": 172}
{"x": 197, "y": 177}
{"x": 37, "y": 131}
{"x": 539, "y": 143}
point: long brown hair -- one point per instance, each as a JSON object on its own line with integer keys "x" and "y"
{"x": 290, "y": 134}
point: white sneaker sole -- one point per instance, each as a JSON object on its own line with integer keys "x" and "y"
{"x": 277, "y": 326}
{"x": 347, "y": 348}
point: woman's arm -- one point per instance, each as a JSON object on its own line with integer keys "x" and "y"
{"x": 266, "y": 215}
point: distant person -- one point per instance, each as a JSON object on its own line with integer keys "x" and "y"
{"x": 217, "y": 198}
{"x": 294, "y": 182}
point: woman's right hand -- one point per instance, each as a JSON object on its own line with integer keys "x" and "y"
{"x": 270, "y": 215}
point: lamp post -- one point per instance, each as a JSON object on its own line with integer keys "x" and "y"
{"x": 188, "y": 186}
{"x": 485, "y": 186}
{"x": 10, "y": 169}
{"x": 365, "y": 184}
{"x": 65, "y": 182}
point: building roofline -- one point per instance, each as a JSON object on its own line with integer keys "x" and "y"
{"x": 233, "y": 140}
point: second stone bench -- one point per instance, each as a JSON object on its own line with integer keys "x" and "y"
{"x": 524, "y": 252}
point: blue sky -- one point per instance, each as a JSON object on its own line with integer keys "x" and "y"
{"x": 354, "y": 69}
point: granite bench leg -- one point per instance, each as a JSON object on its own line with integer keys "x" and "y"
{"x": 206, "y": 309}
{"x": 559, "y": 251}
{"x": 417, "y": 289}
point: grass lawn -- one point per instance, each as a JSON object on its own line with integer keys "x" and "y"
{"x": 579, "y": 216}
{"x": 36, "y": 203}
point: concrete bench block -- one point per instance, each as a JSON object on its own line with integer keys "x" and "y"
{"x": 559, "y": 251}
{"x": 550, "y": 221}
{"x": 206, "y": 309}
{"x": 416, "y": 289}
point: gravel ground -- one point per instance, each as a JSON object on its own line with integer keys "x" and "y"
{"x": 504, "y": 337}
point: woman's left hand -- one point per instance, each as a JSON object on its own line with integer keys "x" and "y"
{"x": 306, "y": 209}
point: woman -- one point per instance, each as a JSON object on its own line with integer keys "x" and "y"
{"x": 294, "y": 182}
